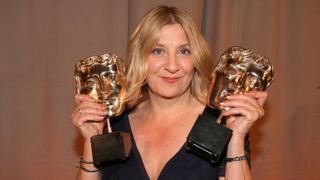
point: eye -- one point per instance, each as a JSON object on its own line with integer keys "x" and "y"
{"x": 184, "y": 52}
{"x": 158, "y": 52}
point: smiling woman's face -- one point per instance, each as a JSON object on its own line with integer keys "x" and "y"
{"x": 170, "y": 65}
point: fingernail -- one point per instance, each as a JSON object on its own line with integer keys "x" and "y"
{"x": 226, "y": 108}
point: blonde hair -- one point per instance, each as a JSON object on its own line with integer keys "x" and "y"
{"x": 146, "y": 35}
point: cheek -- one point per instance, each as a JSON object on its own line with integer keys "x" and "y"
{"x": 154, "y": 65}
{"x": 187, "y": 66}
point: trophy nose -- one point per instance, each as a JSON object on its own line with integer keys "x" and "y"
{"x": 249, "y": 81}
{"x": 101, "y": 91}
{"x": 103, "y": 84}
{"x": 241, "y": 83}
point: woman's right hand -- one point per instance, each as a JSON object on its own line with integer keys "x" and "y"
{"x": 88, "y": 116}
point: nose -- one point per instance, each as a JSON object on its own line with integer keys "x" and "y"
{"x": 103, "y": 88}
{"x": 172, "y": 65}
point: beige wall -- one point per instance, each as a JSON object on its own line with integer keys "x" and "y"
{"x": 40, "y": 40}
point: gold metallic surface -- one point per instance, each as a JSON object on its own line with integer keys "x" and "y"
{"x": 103, "y": 78}
{"x": 239, "y": 70}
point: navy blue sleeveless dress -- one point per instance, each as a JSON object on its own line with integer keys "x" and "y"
{"x": 182, "y": 166}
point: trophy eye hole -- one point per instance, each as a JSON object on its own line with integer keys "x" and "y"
{"x": 254, "y": 83}
{"x": 85, "y": 90}
{"x": 230, "y": 72}
{"x": 89, "y": 83}
{"x": 113, "y": 77}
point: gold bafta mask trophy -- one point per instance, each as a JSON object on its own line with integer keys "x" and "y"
{"x": 239, "y": 70}
{"x": 102, "y": 78}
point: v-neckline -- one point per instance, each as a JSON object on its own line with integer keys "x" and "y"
{"x": 139, "y": 158}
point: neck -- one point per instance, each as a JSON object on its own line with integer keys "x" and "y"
{"x": 157, "y": 103}
{"x": 157, "y": 106}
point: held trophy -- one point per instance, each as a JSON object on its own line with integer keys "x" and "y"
{"x": 102, "y": 78}
{"x": 239, "y": 70}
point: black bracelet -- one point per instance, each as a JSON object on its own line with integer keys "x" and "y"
{"x": 85, "y": 161}
{"x": 88, "y": 170}
{"x": 239, "y": 158}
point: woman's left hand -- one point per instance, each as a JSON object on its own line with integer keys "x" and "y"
{"x": 243, "y": 110}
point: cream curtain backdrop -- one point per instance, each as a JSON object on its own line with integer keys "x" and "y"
{"x": 40, "y": 40}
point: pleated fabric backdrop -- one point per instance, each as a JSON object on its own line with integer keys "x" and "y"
{"x": 40, "y": 40}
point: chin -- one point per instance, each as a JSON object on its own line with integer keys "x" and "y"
{"x": 172, "y": 94}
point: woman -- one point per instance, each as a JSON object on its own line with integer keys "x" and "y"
{"x": 168, "y": 75}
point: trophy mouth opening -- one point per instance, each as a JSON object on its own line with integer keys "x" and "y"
{"x": 107, "y": 102}
{"x": 112, "y": 104}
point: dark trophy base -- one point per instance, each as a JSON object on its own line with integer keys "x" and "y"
{"x": 207, "y": 138}
{"x": 110, "y": 147}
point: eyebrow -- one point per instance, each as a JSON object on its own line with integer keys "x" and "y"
{"x": 182, "y": 45}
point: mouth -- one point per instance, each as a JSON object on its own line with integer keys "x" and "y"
{"x": 170, "y": 80}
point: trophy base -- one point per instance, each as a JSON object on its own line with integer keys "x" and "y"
{"x": 207, "y": 138}
{"x": 110, "y": 147}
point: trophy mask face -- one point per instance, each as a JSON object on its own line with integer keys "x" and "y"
{"x": 102, "y": 78}
{"x": 239, "y": 70}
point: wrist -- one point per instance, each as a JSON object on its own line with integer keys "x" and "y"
{"x": 237, "y": 158}
{"x": 236, "y": 146}
{"x": 237, "y": 139}
{"x": 87, "y": 166}
{"x": 87, "y": 150}
{"x": 239, "y": 135}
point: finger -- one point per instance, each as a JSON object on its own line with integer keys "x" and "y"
{"x": 82, "y": 97}
{"x": 242, "y": 111}
{"x": 88, "y": 111}
{"x": 250, "y": 112}
{"x": 90, "y": 105}
{"x": 256, "y": 94}
{"x": 79, "y": 120}
{"x": 92, "y": 110}
{"x": 260, "y": 96}
{"x": 240, "y": 100}
{"x": 245, "y": 101}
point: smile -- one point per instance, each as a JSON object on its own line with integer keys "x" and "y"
{"x": 170, "y": 80}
